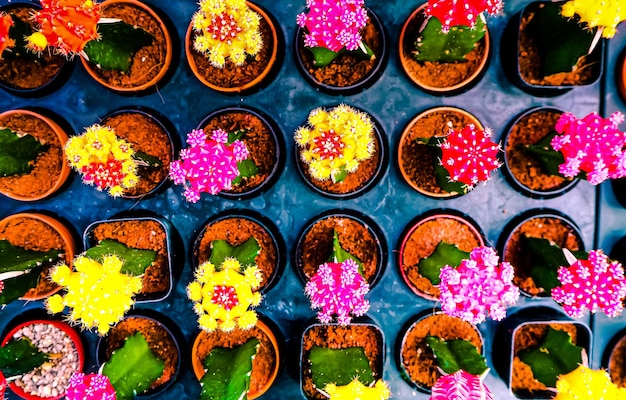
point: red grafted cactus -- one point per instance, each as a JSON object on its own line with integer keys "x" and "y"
{"x": 461, "y": 12}
{"x": 460, "y": 385}
{"x": 90, "y": 386}
{"x": 6, "y": 22}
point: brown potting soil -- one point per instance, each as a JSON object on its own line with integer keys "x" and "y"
{"x": 32, "y": 234}
{"x": 347, "y": 69}
{"x": 529, "y": 336}
{"x": 617, "y": 363}
{"x": 146, "y": 136}
{"x": 28, "y": 71}
{"x": 263, "y": 364}
{"x": 236, "y": 231}
{"x": 422, "y": 243}
{"x": 354, "y": 237}
{"x": 159, "y": 340}
{"x": 554, "y": 229}
{"x": 258, "y": 139}
{"x": 418, "y": 359}
{"x": 48, "y": 164}
{"x": 416, "y": 158}
{"x": 231, "y": 75}
{"x": 338, "y": 337}
{"x": 148, "y": 61}
{"x": 143, "y": 235}
{"x": 523, "y": 166}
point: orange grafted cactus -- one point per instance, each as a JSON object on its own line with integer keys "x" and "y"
{"x": 6, "y": 22}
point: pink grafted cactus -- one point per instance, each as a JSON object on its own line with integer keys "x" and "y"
{"x": 460, "y": 385}
{"x": 91, "y": 386}
{"x": 333, "y": 24}
{"x": 461, "y": 12}
{"x": 207, "y": 165}
{"x": 593, "y": 145}
{"x": 339, "y": 289}
{"x": 594, "y": 284}
{"x": 469, "y": 155}
{"x": 478, "y": 286}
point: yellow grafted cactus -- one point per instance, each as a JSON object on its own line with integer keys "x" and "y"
{"x": 604, "y": 14}
{"x": 223, "y": 298}
{"x": 357, "y": 390}
{"x": 335, "y": 141}
{"x": 585, "y": 384}
{"x": 226, "y": 29}
{"x": 98, "y": 294}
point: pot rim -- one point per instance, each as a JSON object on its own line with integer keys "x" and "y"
{"x": 621, "y": 75}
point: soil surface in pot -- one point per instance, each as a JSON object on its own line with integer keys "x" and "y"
{"x": 144, "y": 235}
{"x": 148, "y": 61}
{"x": 338, "y": 337}
{"x": 617, "y": 363}
{"x": 232, "y": 76}
{"x": 25, "y": 71}
{"x": 236, "y": 231}
{"x": 48, "y": 164}
{"x": 263, "y": 364}
{"x": 423, "y": 242}
{"x": 33, "y": 234}
{"x": 316, "y": 246}
{"x": 259, "y": 139}
{"x": 146, "y": 136}
{"x": 553, "y": 229}
{"x": 416, "y": 158}
{"x": 347, "y": 69}
{"x": 418, "y": 359}
{"x": 524, "y": 167}
{"x": 159, "y": 340}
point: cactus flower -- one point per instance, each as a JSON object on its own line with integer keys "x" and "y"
{"x": 6, "y": 22}
{"x": 460, "y": 385}
{"x": 464, "y": 13}
{"x": 584, "y": 383}
{"x": 478, "y": 286}
{"x": 357, "y": 390}
{"x": 90, "y": 386}
{"x": 338, "y": 289}
{"x": 605, "y": 14}
{"x": 595, "y": 283}
{"x": 335, "y": 141}
{"x": 226, "y": 29}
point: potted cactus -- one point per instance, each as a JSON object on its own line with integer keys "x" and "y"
{"x": 231, "y": 45}
{"x": 340, "y": 46}
{"x": 445, "y": 46}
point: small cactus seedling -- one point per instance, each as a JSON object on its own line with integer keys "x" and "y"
{"x": 335, "y": 141}
{"x": 226, "y": 29}
{"x": 444, "y": 254}
{"x": 333, "y": 27}
{"x": 20, "y": 356}
{"x": 89, "y": 386}
{"x": 461, "y": 385}
{"x": 6, "y": 42}
{"x": 18, "y": 152}
{"x": 357, "y": 390}
{"x": 454, "y": 355}
{"x": 135, "y": 260}
{"x": 339, "y": 366}
{"x": 584, "y": 383}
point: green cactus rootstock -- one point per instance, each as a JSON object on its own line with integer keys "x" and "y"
{"x": 434, "y": 45}
{"x": 228, "y": 371}
{"x": 339, "y": 255}
{"x": 339, "y": 366}
{"x": 441, "y": 173}
{"x": 135, "y": 260}
{"x": 245, "y": 253}
{"x": 455, "y": 355}
{"x": 18, "y": 152}
{"x": 20, "y": 356}
{"x": 118, "y": 43}
{"x": 444, "y": 254}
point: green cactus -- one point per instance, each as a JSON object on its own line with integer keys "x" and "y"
{"x": 228, "y": 371}
{"x": 455, "y": 355}
{"x": 434, "y": 45}
{"x": 135, "y": 260}
{"x": 245, "y": 253}
{"x": 18, "y": 152}
{"x": 118, "y": 42}
{"x": 339, "y": 366}
{"x": 444, "y": 254}
{"x": 339, "y": 255}
{"x": 247, "y": 168}
{"x": 133, "y": 368}
{"x": 441, "y": 174}
{"x": 20, "y": 356}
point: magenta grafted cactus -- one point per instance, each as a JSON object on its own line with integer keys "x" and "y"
{"x": 207, "y": 165}
{"x": 592, "y": 145}
{"x": 460, "y": 385}
{"x": 461, "y": 12}
{"x": 91, "y": 386}
{"x": 595, "y": 283}
{"x": 478, "y": 286}
{"x": 338, "y": 289}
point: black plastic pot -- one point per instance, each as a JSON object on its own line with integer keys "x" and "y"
{"x": 613, "y": 353}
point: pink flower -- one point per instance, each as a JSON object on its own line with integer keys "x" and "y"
{"x": 333, "y": 24}
{"x": 92, "y": 386}
{"x": 460, "y": 385}
{"x": 338, "y": 288}
{"x": 595, "y": 284}
{"x": 469, "y": 156}
{"x": 592, "y": 145}
{"x": 461, "y": 12}
{"x": 478, "y": 286}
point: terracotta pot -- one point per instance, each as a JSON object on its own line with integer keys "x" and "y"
{"x": 361, "y": 332}
{"x": 614, "y": 359}
{"x": 620, "y": 75}
{"x": 210, "y": 76}
{"x": 539, "y": 223}
{"x": 420, "y": 239}
{"x": 36, "y": 231}
{"x": 266, "y": 363}
{"x": 163, "y": 337}
{"x": 414, "y": 357}
{"x": 358, "y": 235}
{"x": 433, "y": 77}
{"x": 415, "y": 160}
{"x": 50, "y": 171}
{"x": 146, "y": 233}
{"x": 347, "y": 74}
{"x": 77, "y": 346}
{"x": 521, "y": 169}
{"x": 162, "y": 44}
{"x": 263, "y": 140}
{"x": 237, "y": 226}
